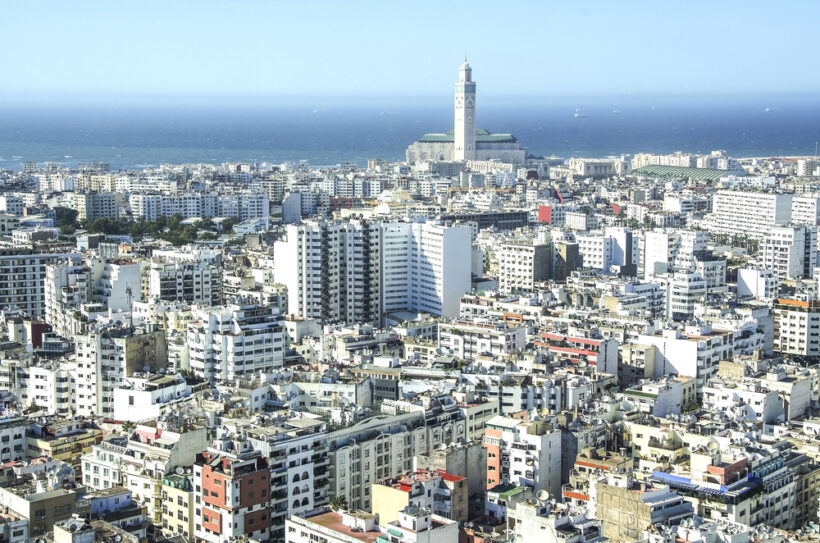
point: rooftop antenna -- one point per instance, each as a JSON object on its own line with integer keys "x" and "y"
{"x": 129, "y": 292}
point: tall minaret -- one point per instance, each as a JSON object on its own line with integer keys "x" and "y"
{"x": 464, "y": 140}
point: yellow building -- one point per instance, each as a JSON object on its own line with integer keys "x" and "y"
{"x": 178, "y": 505}
{"x": 446, "y": 495}
{"x": 64, "y": 440}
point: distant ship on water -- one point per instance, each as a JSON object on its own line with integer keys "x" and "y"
{"x": 579, "y": 113}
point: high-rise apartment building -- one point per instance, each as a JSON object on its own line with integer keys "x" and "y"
{"x": 750, "y": 214}
{"x": 357, "y": 270}
{"x": 331, "y": 270}
{"x": 790, "y": 251}
{"x": 806, "y": 210}
{"x": 438, "y": 272}
{"x": 105, "y": 356}
{"x": 22, "y": 278}
{"x": 66, "y": 286}
{"x": 667, "y": 251}
{"x": 522, "y": 264}
{"x": 226, "y": 343}
{"x": 91, "y": 206}
{"x": 797, "y": 327}
{"x": 192, "y": 282}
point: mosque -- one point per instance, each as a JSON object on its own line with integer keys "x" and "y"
{"x": 464, "y": 142}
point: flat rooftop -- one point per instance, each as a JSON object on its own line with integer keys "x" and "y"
{"x": 333, "y": 521}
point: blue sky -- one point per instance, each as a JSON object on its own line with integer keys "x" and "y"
{"x": 154, "y": 51}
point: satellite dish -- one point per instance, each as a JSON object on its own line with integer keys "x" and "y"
{"x": 180, "y": 470}
{"x": 542, "y": 495}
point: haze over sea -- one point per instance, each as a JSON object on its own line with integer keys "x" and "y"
{"x": 138, "y": 136}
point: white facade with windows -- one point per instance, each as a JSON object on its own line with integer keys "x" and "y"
{"x": 243, "y": 206}
{"x": 521, "y": 265}
{"x": 756, "y": 283}
{"x": 13, "y": 439}
{"x": 529, "y": 453}
{"x": 797, "y": 327}
{"x": 105, "y": 356}
{"x": 467, "y": 340}
{"x": 226, "y": 343}
{"x": 23, "y": 278}
{"x": 790, "y": 251}
{"x": 806, "y": 210}
{"x": 358, "y": 270}
{"x": 750, "y": 214}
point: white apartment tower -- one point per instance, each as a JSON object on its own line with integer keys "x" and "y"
{"x": 331, "y": 270}
{"x": 356, "y": 270}
{"x": 806, "y": 210}
{"x": 750, "y": 214}
{"x": 107, "y": 355}
{"x": 439, "y": 267}
{"x": 464, "y": 142}
{"x": 23, "y": 278}
{"x": 66, "y": 285}
{"x": 796, "y": 324}
{"x": 790, "y": 251}
{"x": 522, "y": 264}
{"x": 231, "y": 342}
{"x": 666, "y": 251}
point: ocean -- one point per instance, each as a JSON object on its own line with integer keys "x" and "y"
{"x": 145, "y": 136}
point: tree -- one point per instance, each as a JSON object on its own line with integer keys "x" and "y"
{"x": 229, "y": 223}
{"x": 338, "y": 502}
{"x": 173, "y": 222}
{"x": 205, "y": 224}
{"x": 128, "y": 427}
{"x": 65, "y": 216}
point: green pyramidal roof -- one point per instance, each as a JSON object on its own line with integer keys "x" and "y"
{"x": 481, "y": 136}
{"x": 681, "y": 172}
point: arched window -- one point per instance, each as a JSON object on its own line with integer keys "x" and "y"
{"x": 305, "y": 476}
{"x": 305, "y": 501}
{"x": 296, "y": 491}
{"x": 295, "y": 504}
{"x": 296, "y": 478}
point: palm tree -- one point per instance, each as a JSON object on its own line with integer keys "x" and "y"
{"x": 338, "y": 502}
{"x": 128, "y": 427}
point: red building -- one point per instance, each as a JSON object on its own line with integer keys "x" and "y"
{"x": 232, "y": 495}
{"x": 602, "y": 354}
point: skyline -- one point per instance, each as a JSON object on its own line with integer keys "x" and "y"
{"x": 258, "y": 51}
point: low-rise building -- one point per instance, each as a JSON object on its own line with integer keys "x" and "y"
{"x": 438, "y": 491}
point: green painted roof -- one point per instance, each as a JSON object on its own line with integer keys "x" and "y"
{"x": 678, "y": 172}
{"x": 481, "y": 136}
{"x": 507, "y": 490}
